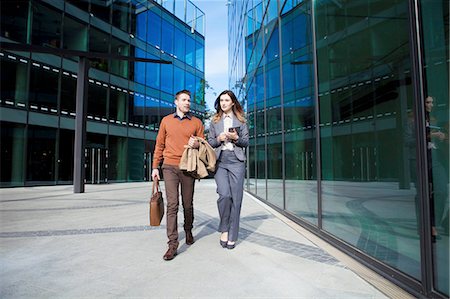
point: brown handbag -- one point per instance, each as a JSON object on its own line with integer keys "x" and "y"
{"x": 156, "y": 205}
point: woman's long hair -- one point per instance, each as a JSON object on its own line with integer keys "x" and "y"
{"x": 236, "y": 108}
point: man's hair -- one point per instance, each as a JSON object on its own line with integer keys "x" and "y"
{"x": 185, "y": 91}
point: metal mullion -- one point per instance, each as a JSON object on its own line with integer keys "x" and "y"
{"x": 421, "y": 150}
{"x": 317, "y": 120}
{"x": 283, "y": 149}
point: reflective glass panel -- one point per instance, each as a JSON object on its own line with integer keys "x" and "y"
{"x": 65, "y": 160}
{"x": 365, "y": 96}
{"x": 46, "y": 26}
{"x": 12, "y": 154}
{"x": 299, "y": 115}
{"x": 121, "y": 14}
{"x": 14, "y": 23}
{"x": 41, "y": 155}
{"x": 435, "y": 26}
{"x": 14, "y": 81}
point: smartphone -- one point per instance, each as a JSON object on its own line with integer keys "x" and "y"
{"x": 232, "y": 130}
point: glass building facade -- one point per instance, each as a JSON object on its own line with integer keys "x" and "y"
{"x": 126, "y": 99}
{"x": 343, "y": 138}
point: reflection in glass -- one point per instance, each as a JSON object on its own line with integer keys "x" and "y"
{"x": 117, "y": 105}
{"x": 199, "y": 56}
{"x": 121, "y": 14}
{"x": 101, "y": 9}
{"x": 43, "y": 87}
{"x": 190, "y": 51}
{"x": 117, "y": 160}
{"x": 74, "y": 35}
{"x": 68, "y": 94}
{"x": 153, "y": 29}
{"x": 99, "y": 42}
{"x": 435, "y": 25}
{"x": 119, "y": 67}
{"x": 14, "y": 82}
{"x": 300, "y": 148}
{"x": 46, "y": 26}
{"x": 365, "y": 95}
{"x": 41, "y": 155}
{"x": 167, "y": 32}
{"x": 97, "y": 96}
{"x": 14, "y": 24}
{"x": 136, "y": 109}
{"x": 12, "y": 154}
{"x": 65, "y": 160}
{"x": 135, "y": 159}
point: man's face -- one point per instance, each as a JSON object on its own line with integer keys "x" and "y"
{"x": 183, "y": 102}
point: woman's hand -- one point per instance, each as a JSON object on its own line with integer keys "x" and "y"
{"x": 233, "y": 135}
{"x": 439, "y": 135}
{"x": 222, "y": 137}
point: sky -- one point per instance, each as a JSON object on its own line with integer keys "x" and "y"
{"x": 216, "y": 47}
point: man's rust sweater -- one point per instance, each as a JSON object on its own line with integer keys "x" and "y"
{"x": 173, "y": 135}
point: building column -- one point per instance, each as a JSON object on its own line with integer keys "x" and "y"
{"x": 80, "y": 125}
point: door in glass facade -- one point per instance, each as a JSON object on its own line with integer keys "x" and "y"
{"x": 96, "y": 165}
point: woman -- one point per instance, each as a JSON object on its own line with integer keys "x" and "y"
{"x": 228, "y": 135}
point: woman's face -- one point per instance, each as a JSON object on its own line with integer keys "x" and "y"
{"x": 429, "y": 104}
{"x": 226, "y": 103}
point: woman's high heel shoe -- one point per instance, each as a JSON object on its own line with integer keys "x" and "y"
{"x": 223, "y": 243}
{"x": 231, "y": 246}
{"x": 224, "y": 235}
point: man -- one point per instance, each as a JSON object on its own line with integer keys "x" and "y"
{"x": 176, "y": 131}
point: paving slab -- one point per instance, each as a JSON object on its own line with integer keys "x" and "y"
{"x": 97, "y": 244}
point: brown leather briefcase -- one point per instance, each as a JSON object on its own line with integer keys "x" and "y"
{"x": 156, "y": 205}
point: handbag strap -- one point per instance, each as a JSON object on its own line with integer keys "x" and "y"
{"x": 155, "y": 185}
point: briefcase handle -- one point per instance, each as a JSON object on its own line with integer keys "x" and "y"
{"x": 155, "y": 185}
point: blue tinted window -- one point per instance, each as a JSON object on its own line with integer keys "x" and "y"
{"x": 199, "y": 56}
{"x": 154, "y": 29}
{"x": 302, "y": 75}
{"x": 300, "y": 38}
{"x": 288, "y": 77}
{"x": 190, "y": 82}
{"x": 272, "y": 47}
{"x": 141, "y": 26}
{"x": 259, "y": 87}
{"x": 273, "y": 82}
{"x": 286, "y": 33}
{"x": 198, "y": 90}
{"x": 167, "y": 78}
{"x": 180, "y": 45}
{"x": 153, "y": 73}
{"x": 190, "y": 51}
{"x": 178, "y": 78}
{"x": 139, "y": 67}
{"x": 167, "y": 37}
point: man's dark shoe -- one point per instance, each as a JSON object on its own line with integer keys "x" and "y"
{"x": 189, "y": 238}
{"x": 170, "y": 254}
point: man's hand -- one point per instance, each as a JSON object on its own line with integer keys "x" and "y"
{"x": 193, "y": 142}
{"x": 155, "y": 174}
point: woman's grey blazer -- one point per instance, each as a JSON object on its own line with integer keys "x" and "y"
{"x": 239, "y": 145}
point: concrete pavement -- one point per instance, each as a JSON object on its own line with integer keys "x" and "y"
{"x": 97, "y": 244}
